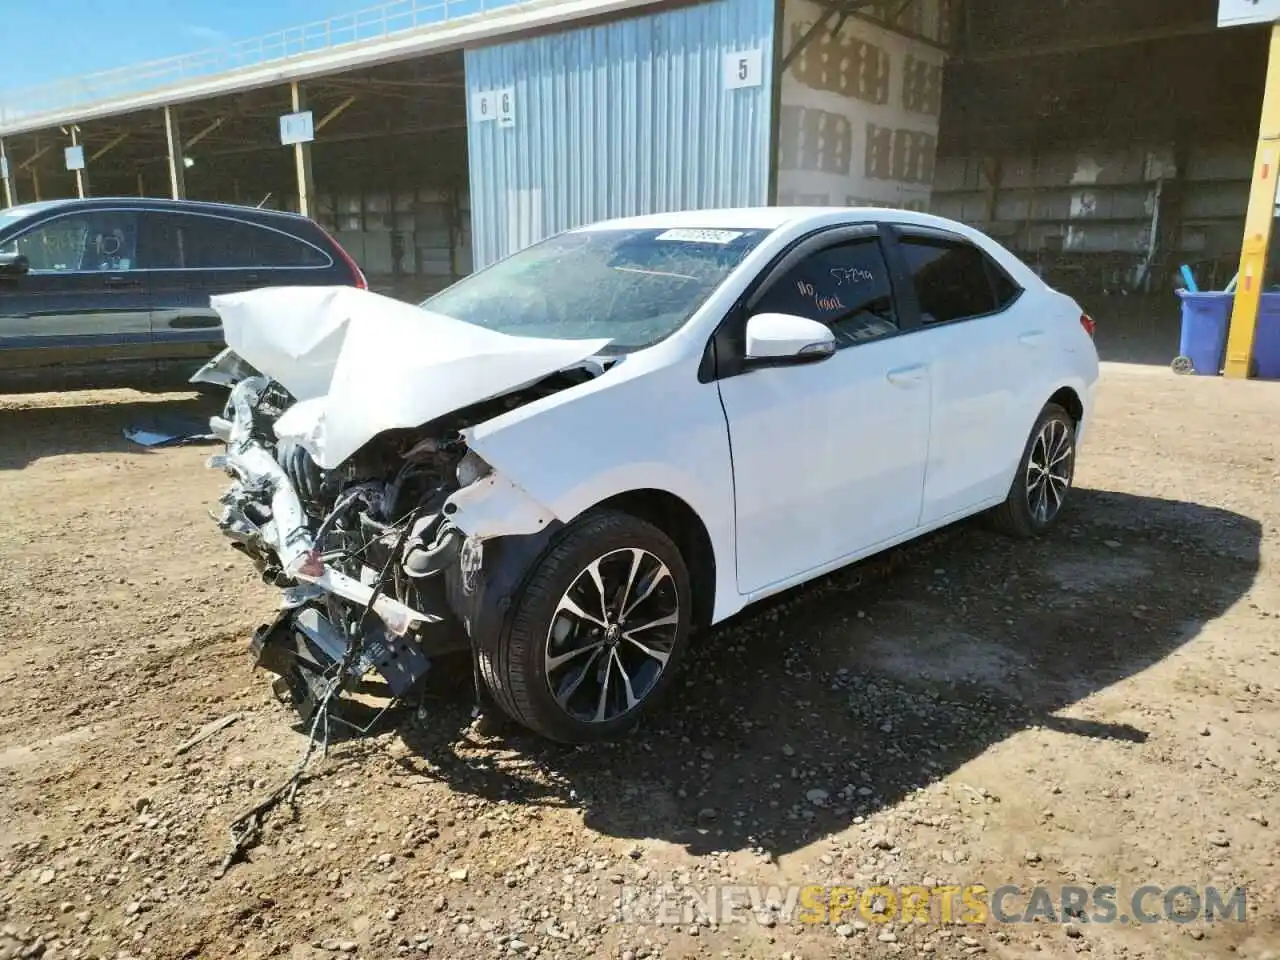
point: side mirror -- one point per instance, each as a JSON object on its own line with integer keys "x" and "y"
{"x": 13, "y": 265}
{"x": 776, "y": 339}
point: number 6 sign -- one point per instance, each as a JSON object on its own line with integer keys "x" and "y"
{"x": 744, "y": 68}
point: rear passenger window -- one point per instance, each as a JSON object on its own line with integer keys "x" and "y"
{"x": 955, "y": 280}
{"x": 192, "y": 241}
{"x": 1006, "y": 290}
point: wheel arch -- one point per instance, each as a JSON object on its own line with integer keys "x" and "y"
{"x": 1069, "y": 399}
{"x": 679, "y": 521}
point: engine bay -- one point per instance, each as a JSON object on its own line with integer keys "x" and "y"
{"x": 358, "y": 551}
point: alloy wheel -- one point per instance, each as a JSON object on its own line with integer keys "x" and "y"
{"x": 1049, "y": 470}
{"x": 611, "y": 635}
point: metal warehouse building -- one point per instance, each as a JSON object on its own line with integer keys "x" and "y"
{"x": 1106, "y": 141}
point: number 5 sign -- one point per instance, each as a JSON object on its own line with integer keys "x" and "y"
{"x": 743, "y": 69}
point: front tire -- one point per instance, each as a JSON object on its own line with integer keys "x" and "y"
{"x": 1042, "y": 485}
{"x": 597, "y": 632}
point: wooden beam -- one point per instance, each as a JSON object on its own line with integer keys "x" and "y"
{"x": 35, "y": 156}
{"x": 334, "y": 113}
{"x": 109, "y": 146}
{"x": 204, "y": 132}
{"x": 302, "y": 156}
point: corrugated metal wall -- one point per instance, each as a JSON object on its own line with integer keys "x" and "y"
{"x": 629, "y": 117}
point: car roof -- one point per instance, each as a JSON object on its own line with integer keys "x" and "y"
{"x": 769, "y": 218}
{"x": 153, "y": 203}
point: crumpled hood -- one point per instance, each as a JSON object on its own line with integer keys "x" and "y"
{"x": 360, "y": 363}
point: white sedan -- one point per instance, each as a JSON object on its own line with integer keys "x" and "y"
{"x": 568, "y": 461}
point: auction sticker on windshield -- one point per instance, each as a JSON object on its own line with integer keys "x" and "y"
{"x": 700, "y": 236}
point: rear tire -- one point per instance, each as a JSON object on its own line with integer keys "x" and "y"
{"x": 1042, "y": 485}
{"x": 578, "y": 664}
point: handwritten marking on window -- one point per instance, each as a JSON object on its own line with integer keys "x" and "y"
{"x": 852, "y": 275}
{"x": 823, "y": 302}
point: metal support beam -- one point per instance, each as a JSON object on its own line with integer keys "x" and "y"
{"x": 5, "y": 175}
{"x": 109, "y": 146}
{"x": 844, "y": 10}
{"x": 302, "y": 157}
{"x": 334, "y": 113}
{"x": 1257, "y": 225}
{"x": 177, "y": 157}
{"x": 1025, "y": 51}
{"x": 82, "y": 175}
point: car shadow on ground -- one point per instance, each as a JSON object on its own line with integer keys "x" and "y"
{"x": 841, "y": 698}
{"x": 35, "y": 429}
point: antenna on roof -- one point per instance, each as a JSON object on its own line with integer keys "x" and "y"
{"x": 264, "y": 199}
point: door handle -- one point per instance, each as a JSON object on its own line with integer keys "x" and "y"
{"x": 193, "y": 323}
{"x": 121, "y": 281}
{"x": 1031, "y": 338}
{"x": 906, "y": 376}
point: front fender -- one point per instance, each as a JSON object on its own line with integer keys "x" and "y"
{"x": 642, "y": 429}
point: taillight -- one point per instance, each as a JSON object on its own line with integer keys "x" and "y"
{"x": 1086, "y": 321}
{"x": 361, "y": 282}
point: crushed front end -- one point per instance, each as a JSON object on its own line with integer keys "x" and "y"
{"x": 377, "y": 579}
{"x": 357, "y": 551}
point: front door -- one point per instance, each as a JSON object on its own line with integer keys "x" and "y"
{"x": 81, "y": 315}
{"x": 829, "y": 458}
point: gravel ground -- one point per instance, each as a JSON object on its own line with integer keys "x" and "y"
{"x": 1097, "y": 708}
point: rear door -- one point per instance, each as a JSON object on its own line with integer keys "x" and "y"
{"x": 980, "y": 359}
{"x": 199, "y": 255}
{"x": 82, "y": 312}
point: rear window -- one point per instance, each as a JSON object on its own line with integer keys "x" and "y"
{"x": 955, "y": 280}
{"x": 201, "y": 242}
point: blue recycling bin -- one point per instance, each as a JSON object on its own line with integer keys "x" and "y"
{"x": 1205, "y": 320}
{"x": 1266, "y": 339}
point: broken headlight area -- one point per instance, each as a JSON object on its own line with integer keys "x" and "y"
{"x": 359, "y": 551}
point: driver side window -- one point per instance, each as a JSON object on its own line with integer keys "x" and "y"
{"x": 845, "y": 286}
{"x": 101, "y": 240}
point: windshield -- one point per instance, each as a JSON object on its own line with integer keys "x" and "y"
{"x": 635, "y": 286}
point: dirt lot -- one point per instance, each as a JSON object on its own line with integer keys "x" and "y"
{"x": 1099, "y": 708}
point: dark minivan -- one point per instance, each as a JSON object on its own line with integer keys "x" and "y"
{"x": 115, "y": 292}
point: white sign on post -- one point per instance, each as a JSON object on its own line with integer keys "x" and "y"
{"x": 1240, "y": 13}
{"x": 743, "y": 69}
{"x": 297, "y": 128}
{"x": 4, "y": 168}
{"x": 75, "y": 158}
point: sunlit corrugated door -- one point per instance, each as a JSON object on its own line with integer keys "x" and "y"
{"x": 669, "y": 111}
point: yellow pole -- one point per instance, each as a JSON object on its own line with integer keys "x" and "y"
{"x": 1257, "y": 225}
